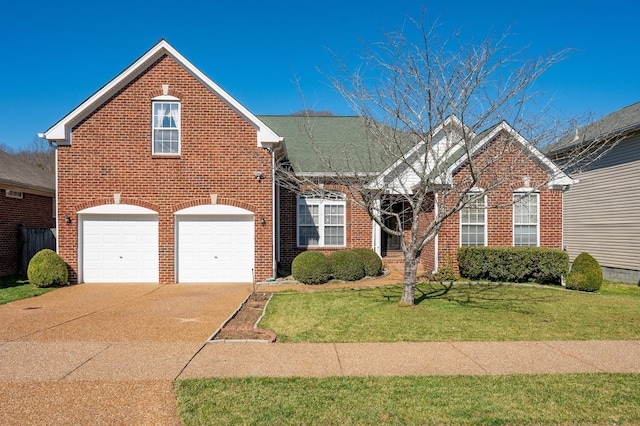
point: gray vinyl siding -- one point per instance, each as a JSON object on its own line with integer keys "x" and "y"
{"x": 602, "y": 211}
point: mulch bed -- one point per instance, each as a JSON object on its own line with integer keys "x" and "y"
{"x": 242, "y": 325}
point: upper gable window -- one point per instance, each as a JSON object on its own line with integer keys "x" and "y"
{"x": 166, "y": 126}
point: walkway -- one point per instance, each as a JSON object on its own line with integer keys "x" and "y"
{"x": 109, "y": 354}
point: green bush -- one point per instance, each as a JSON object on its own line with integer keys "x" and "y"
{"x": 311, "y": 267}
{"x": 47, "y": 269}
{"x": 513, "y": 264}
{"x": 347, "y": 265}
{"x": 446, "y": 271}
{"x": 586, "y": 274}
{"x": 372, "y": 263}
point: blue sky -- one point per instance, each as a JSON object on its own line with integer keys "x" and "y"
{"x": 58, "y": 53}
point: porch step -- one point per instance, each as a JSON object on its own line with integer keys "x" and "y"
{"x": 396, "y": 263}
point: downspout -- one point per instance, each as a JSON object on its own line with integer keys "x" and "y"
{"x": 435, "y": 240}
{"x": 54, "y": 146}
{"x": 275, "y": 237}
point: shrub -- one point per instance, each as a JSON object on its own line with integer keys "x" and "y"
{"x": 47, "y": 269}
{"x": 347, "y": 265}
{"x": 446, "y": 271}
{"x": 513, "y": 264}
{"x": 586, "y": 274}
{"x": 311, "y": 267}
{"x": 372, "y": 262}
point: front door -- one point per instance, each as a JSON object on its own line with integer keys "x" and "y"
{"x": 392, "y": 242}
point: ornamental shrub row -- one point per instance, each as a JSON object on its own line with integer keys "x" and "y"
{"x": 314, "y": 267}
{"x": 513, "y": 264}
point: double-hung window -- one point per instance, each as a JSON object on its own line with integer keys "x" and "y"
{"x": 321, "y": 220}
{"x": 166, "y": 127}
{"x": 525, "y": 219}
{"x": 473, "y": 220}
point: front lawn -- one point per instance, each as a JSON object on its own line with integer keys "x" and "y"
{"x": 461, "y": 312}
{"x": 593, "y": 399}
{"x": 13, "y": 288}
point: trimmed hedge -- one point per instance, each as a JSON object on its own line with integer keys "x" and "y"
{"x": 47, "y": 269}
{"x": 311, "y": 267}
{"x": 347, "y": 265}
{"x": 372, "y": 263}
{"x": 586, "y": 274}
{"x": 513, "y": 264}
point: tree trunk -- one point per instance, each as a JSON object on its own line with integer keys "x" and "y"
{"x": 410, "y": 273}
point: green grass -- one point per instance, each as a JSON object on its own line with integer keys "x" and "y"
{"x": 13, "y": 288}
{"x": 594, "y": 399}
{"x": 461, "y": 312}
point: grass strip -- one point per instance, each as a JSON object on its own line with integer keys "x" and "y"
{"x": 570, "y": 399}
{"x": 459, "y": 312}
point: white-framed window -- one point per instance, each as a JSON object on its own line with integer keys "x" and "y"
{"x": 473, "y": 220}
{"x": 321, "y": 219}
{"x": 14, "y": 194}
{"x": 526, "y": 214}
{"x": 166, "y": 127}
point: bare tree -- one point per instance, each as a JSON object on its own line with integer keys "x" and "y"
{"x": 446, "y": 123}
{"x": 312, "y": 113}
{"x": 39, "y": 154}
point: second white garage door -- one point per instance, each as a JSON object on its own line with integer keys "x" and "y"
{"x": 215, "y": 248}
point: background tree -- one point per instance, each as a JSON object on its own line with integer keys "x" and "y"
{"x": 39, "y": 153}
{"x": 425, "y": 101}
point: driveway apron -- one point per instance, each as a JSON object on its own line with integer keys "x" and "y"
{"x": 105, "y": 353}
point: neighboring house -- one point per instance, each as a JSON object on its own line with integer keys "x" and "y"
{"x": 602, "y": 211}
{"x": 26, "y": 200}
{"x": 164, "y": 177}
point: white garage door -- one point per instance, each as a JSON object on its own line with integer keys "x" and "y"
{"x": 215, "y": 248}
{"x": 119, "y": 248}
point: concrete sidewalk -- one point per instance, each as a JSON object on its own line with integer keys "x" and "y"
{"x": 109, "y": 354}
{"x": 220, "y": 359}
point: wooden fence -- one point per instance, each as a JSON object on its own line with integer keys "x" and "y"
{"x": 31, "y": 241}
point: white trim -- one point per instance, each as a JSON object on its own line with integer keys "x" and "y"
{"x": 486, "y": 218}
{"x": 118, "y": 209}
{"x": 214, "y": 209}
{"x": 165, "y": 98}
{"x": 163, "y": 114}
{"x": 61, "y": 131}
{"x": 333, "y": 198}
{"x": 527, "y": 192}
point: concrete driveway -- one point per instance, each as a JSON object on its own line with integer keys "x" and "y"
{"x": 105, "y": 353}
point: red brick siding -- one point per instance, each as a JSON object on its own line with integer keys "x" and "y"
{"x": 500, "y": 221}
{"x": 33, "y": 211}
{"x": 358, "y": 228}
{"x": 111, "y": 153}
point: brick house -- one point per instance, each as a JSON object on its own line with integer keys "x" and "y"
{"x": 26, "y": 200}
{"x": 164, "y": 177}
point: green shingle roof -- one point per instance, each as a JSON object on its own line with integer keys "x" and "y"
{"x": 622, "y": 120}
{"x": 15, "y": 172}
{"x": 328, "y": 144}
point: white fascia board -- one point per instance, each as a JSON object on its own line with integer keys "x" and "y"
{"x": 442, "y": 146}
{"x": 61, "y": 131}
{"x": 558, "y": 177}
